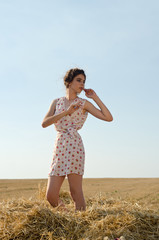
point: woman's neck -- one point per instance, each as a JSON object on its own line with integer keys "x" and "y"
{"x": 70, "y": 95}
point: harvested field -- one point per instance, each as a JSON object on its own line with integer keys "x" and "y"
{"x": 115, "y": 208}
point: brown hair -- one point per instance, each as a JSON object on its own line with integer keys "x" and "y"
{"x": 70, "y": 74}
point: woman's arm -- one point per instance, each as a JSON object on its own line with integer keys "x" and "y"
{"x": 103, "y": 113}
{"x": 50, "y": 118}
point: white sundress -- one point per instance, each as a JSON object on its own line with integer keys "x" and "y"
{"x": 68, "y": 153}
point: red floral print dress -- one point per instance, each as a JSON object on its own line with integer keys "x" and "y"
{"x": 68, "y": 153}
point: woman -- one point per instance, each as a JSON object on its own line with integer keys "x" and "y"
{"x": 68, "y": 114}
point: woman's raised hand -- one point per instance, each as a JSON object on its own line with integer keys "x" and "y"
{"x": 73, "y": 107}
{"x": 90, "y": 93}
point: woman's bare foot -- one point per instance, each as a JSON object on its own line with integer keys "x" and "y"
{"x": 61, "y": 206}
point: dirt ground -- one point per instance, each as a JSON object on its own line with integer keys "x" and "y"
{"x": 146, "y": 189}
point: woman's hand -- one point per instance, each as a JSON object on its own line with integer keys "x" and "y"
{"x": 90, "y": 93}
{"x": 73, "y": 107}
{"x": 103, "y": 113}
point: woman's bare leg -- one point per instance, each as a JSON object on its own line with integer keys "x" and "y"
{"x": 75, "y": 183}
{"x": 53, "y": 189}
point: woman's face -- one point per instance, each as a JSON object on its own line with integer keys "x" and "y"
{"x": 78, "y": 83}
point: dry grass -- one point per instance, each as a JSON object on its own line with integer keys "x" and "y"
{"x": 111, "y": 217}
{"x": 137, "y": 188}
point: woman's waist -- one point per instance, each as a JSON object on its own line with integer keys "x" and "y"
{"x": 70, "y": 131}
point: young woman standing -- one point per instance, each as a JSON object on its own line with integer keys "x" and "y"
{"x": 68, "y": 114}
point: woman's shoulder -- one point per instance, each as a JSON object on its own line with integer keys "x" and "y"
{"x": 58, "y": 99}
{"x": 57, "y": 102}
{"x": 82, "y": 99}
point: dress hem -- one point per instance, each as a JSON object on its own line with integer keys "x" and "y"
{"x": 50, "y": 175}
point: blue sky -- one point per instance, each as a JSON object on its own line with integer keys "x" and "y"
{"x": 116, "y": 43}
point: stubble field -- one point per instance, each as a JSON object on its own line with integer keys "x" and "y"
{"x": 115, "y": 208}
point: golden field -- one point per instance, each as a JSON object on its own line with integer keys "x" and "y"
{"x": 116, "y": 208}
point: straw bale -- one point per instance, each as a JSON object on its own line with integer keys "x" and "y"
{"x": 105, "y": 218}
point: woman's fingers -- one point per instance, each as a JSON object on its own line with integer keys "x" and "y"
{"x": 76, "y": 106}
{"x": 89, "y": 93}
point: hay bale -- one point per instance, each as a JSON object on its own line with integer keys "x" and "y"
{"x": 103, "y": 219}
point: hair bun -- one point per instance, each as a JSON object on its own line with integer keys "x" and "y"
{"x": 70, "y": 74}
